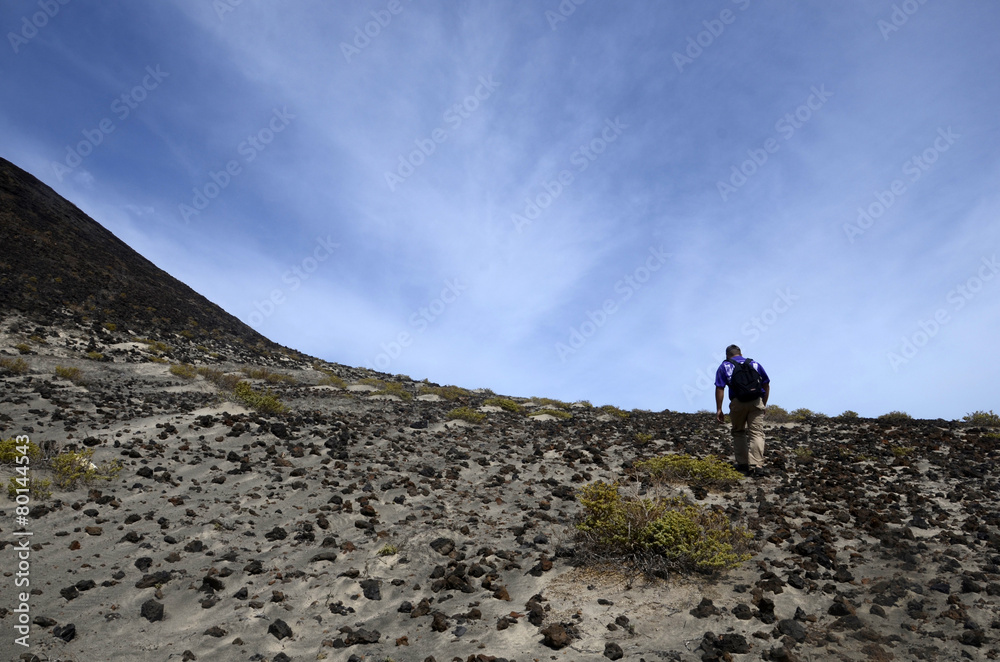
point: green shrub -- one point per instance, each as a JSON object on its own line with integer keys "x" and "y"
{"x": 330, "y": 379}
{"x": 776, "y": 414}
{"x": 72, "y": 467}
{"x": 254, "y": 372}
{"x": 848, "y": 415}
{"x": 506, "y": 404}
{"x": 38, "y": 488}
{"x": 11, "y": 449}
{"x": 446, "y": 392}
{"x": 550, "y": 403}
{"x": 467, "y": 414}
{"x": 558, "y": 413}
{"x": 388, "y": 550}
{"x": 95, "y": 356}
{"x": 183, "y": 370}
{"x": 643, "y": 438}
{"x": 680, "y": 467}
{"x": 23, "y": 347}
{"x": 802, "y": 452}
{"x": 392, "y": 388}
{"x": 985, "y": 419}
{"x": 615, "y": 411}
{"x": 219, "y": 378}
{"x": 901, "y": 451}
{"x": 895, "y": 418}
{"x": 14, "y": 366}
{"x": 110, "y": 326}
{"x": 659, "y": 532}
{"x": 155, "y": 346}
{"x": 264, "y": 402}
{"x": 72, "y": 373}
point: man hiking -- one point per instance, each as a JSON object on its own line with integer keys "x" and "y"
{"x": 749, "y": 388}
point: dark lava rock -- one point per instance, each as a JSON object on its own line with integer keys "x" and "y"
{"x": 743, "y": 612}
{"x": 440, "y": 623}
{"x": 149, "y": 581}
{"x": 613, "y": 651}
{"x": 556, "y": 636}
{"x": 65, "y": 632}
{"x": 215, "y": 631}
{"x": 277, "y": 533}
{"x": 705, "y": 609}
{"x": 792, "y": 628}
{"x": 324, "y": 556}
{"x": 152, "y": 610}
{"x": 372, "y": 588}
{"x": 279, "y": 629}
{"x": 443, "y": 546}
{"x": 362, "y": 636}
{"x": 70, "y": 592}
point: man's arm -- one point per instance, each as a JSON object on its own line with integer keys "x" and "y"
{"x": 719, "y": 393}
{"x": 767, "y": 392}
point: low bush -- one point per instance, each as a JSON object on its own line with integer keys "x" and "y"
{"x": 95, "y": 356}
{"x": 38, "y": 488}
{"x": 710, "y": 471}
{"x": 16, "y": 366}
{"x": 849, "y": 415}
{"x": 183, "y": 370}
{"x": 11, "y": 449}
{"x": 643, "y": 438}
{"x": 330, "y": 379}
{"x": 985, "y": 419}
{"x": 658, "y": 533}
{"x": 615, "y": 411}
{"x": 72, "y": 373}
{"x": 72, "y": 467}
{"x": 558, "y": 413}
{"x": 466, "y": 414}
{"x": 392, "y": 388}
{"x": 895, "y": 418}
{"x": 264, "y": 403}
{"x": 23, "y": 348}
{"x": 506, "y": 404}
{"x": 219, "y": 377}
{"x": 550, "y": 403}
{"x": 446, "y": 392}
{"x": 388, "y": 550}
{"x": 776, "y": 414}
{"x": 255, "y": 372}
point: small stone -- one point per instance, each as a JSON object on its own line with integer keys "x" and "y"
{"x": 613, "y": 651}
{"x": 65, "y": 632}
{"x": 152, "y": 610}
{"x": 705, "y": 609}
{"x": 279, "y": 629}
{"x": 556, "y": 636}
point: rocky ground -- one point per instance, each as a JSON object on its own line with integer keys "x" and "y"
{"x": 359, "y": 526}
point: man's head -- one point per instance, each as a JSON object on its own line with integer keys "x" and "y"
{"x": 733, "y": 350}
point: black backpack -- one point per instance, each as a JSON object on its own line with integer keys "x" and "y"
{"x": 745, "y": 384}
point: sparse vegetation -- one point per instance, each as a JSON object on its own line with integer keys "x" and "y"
{"x": 388, "y": 550}
{"x": 802, "y": 414}
{"x": 95, "y": 356}
{"x": 849, "y": 415}
{"x": 330, "y": 379}
{"x": 219, "y": 378}
{"x": 72, "y": 373}
{"x": 902, "y": 451}
{"x": 254, "y": 372}
{"x": 23, "y": 348}
{"x": 38, "y": 488}
{"x": 446, "y": 392}
{"x": 895, "y": 418}
{"x": 72, "y": 467}
{"x": 16, "y": 366}
{"x": 183, "y": 370}
{"x": 10, "y": 450}
{"x": 550, "y": 403}
{"x": 680, "y": 467}
{"x": 985, "y": 419}
{"x": 802, "y": 452}
{"x": 558, "y": 413}
{"x": 393, "y": 388}
{"x": 658, "y": 533}
{"x": 110, "y": 326}
{"x": 466, "y": 414}
{"x": 506, "y": 404}
{"x": 643, "y": 438}
{"x": 776, "y": 414}
{"x": 615, "y": 411}
{"x": 264, "y": 403}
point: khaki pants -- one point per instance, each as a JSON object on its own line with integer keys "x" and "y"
{"x": 748, "y": 431}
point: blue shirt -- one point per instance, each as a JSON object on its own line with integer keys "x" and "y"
{"x": 725, "y": 373}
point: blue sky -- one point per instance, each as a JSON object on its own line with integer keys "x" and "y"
{"x": 580, "y": 201}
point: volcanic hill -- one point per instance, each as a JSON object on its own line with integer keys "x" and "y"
{"x": 242, "y": 501}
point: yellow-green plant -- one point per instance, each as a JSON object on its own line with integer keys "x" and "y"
{"x": 183, "y": 370}
{"x": 110, "y": 326}
{"x": 558, "y": 413}
{"x": 254, "y": 372}
{"x": 643, "y": 438}
{"x": 467, "y": 414}
{"x": 446, "y": 392}
{"x": 11, "y": 449}
{"x": 615, "y": 411}
{"x": 776, "y": 414}
{"x": 901, "y": 451}
{"x": 393, "y": 388}
{"x": 669, "y": 531}
{"x": 95, "y": 356}
{"x": 264, "y": 402}
{"x": 895, "y": 417}
{"x": 330, "y": 379}
{"x": 550, "y": 403}
{"x": 38, "y": 488}
{"x": 72, "y": 373}
{"x": 219, "y": 377}
{"x": 506, "y": 404}
{"x": 16, "y": 366}
{"x": 802, "y": 452}
{"x": 388, "y": 550}
{"x": 72, "y": 467}
{"x": 982, "y": 418}
{"x": 23, "y": 347}
{"x": 849, "y": 415}
{"x": 680, "y": 467}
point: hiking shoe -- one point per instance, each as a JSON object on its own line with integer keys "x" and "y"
{"x": 743, "y": 469}
{"x": 758, "y": 472}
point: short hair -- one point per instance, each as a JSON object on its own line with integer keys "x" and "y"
{"x": 733, "y": 350}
